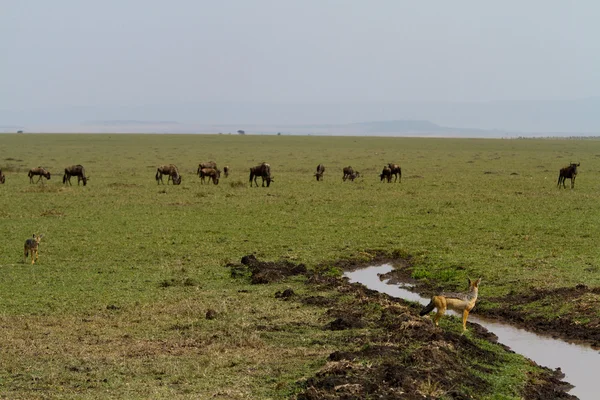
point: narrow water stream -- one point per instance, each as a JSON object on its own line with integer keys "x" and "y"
{"x": 579, "y": 363}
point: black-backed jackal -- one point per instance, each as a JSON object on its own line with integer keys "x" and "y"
{"x": 31, "y": 247}
{"x": 459, "y": 302}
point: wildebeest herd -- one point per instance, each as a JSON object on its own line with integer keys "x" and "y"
{"x": 209, "y": 170}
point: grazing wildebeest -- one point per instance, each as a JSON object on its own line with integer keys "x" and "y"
{"x": 347, "y": 172}
{"x": 569, "y": 172}
{"x": 2, "y": 177}
{"x": 75, "y": 170}
{"x": 226, "y": 171}
{"x": 210, "y": 173}
{"x": 170, "y": 170}
{"x": 39, "y": 171}
{"x": 386, "y": 174}
{"x": 396, "y": 171}
{"x": 264, "y": 171}
{"x": 353, "y": 176}
{"x": 209, "y": 164}
{"x": 320, "y": 172}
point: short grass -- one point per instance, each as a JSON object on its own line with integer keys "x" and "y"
{"x": 128, "y": 268}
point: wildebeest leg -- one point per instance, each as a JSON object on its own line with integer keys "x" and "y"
{"x": 40, "y": 178}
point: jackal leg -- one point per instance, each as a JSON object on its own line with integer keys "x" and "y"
{"x": 441, "y": 310}
{"x": 465, "y": 315}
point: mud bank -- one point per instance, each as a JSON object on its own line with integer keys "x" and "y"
{"x": 389, "y": 352}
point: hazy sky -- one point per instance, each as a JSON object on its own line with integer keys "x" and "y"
{"x": 64, "y": 53}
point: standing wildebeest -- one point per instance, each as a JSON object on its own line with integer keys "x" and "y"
{"x": 569, "y": 172}
{"x": 396, "y": 171}
{"x": 209, "y": 164}
{"x": 211, "y": 173}
{"x": 39, "y": 171}
{"x": 226, "y": 171}
{"x": 320, "y": 172}
{"x": 2, "y": 177}
{"x": 170, "y": 170}
{"x": 386, "y": 174}
{"x": 75, "y": 170}
{"x": 264, "y": 171}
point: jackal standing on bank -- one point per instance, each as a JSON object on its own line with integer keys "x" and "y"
{"x": 459, "y": 302}
{"x": 31, "y": 246}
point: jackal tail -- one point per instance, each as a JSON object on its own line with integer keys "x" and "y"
{"x": 428, "y": 308}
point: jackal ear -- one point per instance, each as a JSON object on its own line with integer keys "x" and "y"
{"x": 34, "y": 235}
{"x": 477, "y": 282}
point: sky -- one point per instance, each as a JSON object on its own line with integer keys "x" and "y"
{"x": 115, "y": 59}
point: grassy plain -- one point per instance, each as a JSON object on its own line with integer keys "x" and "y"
{"x": 115, "y": 307}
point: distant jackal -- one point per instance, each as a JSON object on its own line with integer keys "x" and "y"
{"x": 31, "y": 246}
{"x": 460, "y": 302}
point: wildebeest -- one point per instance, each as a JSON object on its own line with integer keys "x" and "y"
{"x": 569, "y": 172}
{"x": 209, "y": 164}
{"x": 320, "y": 172}
{"x": 347, "y": 172}
{"x": 226, "y": 171}
{"x": 2, "y": 177}
{"x": 264, "y": 171}
{"x": 170, "y": 170}
{"x": 39, "y": 171}
{"x": 386, "y": 174}
{"x": 75, "y": 170}
{"x": 396, "y": 171}
{"x": 350, "y": 173}
{"x": 210, "y": 173}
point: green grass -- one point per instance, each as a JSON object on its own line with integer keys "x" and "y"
{"x": 124, "y": 260}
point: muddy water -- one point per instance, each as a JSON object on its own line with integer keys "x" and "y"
{"x": 580, "y": 364}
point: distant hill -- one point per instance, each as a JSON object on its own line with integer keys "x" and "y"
{"x": 397, "y": 126}
{"x": 579, "y": 117}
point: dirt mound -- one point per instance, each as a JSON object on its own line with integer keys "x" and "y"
{"x": 262, "y": 272}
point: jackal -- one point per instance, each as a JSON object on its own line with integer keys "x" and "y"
{"x": 460, "y": 302}
{"x": 31, "y": 246}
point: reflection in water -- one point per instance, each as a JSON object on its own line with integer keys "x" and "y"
{"x": 580, "y": 364}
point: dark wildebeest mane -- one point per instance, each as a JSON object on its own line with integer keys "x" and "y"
{"x": 171, "y": 171}
{"x": 569, "y": 172}
{"x": 320, "y": 172}
{"x": 264, "y": 171}
{"x": 75, "y": 170}
{"x": 396, "y": 171}
{"x": 39, "y": 171}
